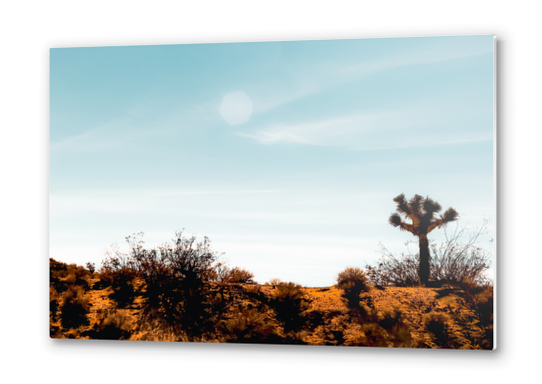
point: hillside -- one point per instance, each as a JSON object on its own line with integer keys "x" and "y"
{"x": 87, "y": 306}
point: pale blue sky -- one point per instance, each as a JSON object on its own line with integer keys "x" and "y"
{"x": 286, "y": 154}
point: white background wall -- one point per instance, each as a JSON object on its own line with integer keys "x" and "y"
{"x": 29, "y": 28}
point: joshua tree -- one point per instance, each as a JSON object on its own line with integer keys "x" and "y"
{"x": 421, "y": 212}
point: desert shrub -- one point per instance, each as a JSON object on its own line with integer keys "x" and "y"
{"x": 274, "y": 282}
{"x": 352, "y": 277}
{"x": 55, "y": 332}
{"x": 249, "y": 326}
{"x": 221, "y": 273}
{"x": 118, "y": 272}
{"x": 453, "y": 261}
{"x": 480, "y": 299}
{"x": 438, "y": 324}
{"x": 53, "y": 309}
{"x": 91, "y": 267}
{"x": 54, "y": 304}
{"x": 76, "y": 271}
{"x": 217, "y": 273}
{"x": 74, "y": 308}
{"x": 238, "y": 275}
{"x": 174, "y": 277}
{"x": 56, "y": 266}
{"x": 62, "y": 276}
{"x": 483, "y": 304}
{"x": 367, "y": 334}
{"x": 57, "y": 271}
{"x": 329, "y": 329}
{"x": 77, "y": 275}
{"x": 398, "y": 330}
{"x": 353, "y": 282}
{"x": 392, "y": 271}
{"x": 289, "y": 303}
{"x": 112, "y": 325}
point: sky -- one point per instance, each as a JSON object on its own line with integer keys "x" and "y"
{"x": 287, "y": 155}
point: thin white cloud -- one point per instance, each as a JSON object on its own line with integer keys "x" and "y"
{"x": 114, "y": 135}
{"x": 327, "y": 132}
{"x": 398, "y": 128}
{"x": 267, "y": 97}
{"x": 135, "y": 126}
{"x": 427, "y": 56}
{"x": 322, "y": 76}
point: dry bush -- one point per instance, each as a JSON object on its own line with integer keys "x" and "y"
{"x": 366, "y": 335}
{"x": 453, "y": 261}
{"x": 74, "y": 308}
{"x": 112, "y": 325}
{"x": 77, "y": 275}
{"x": 274, "y": 282}
{"x": 174, "y": 276}
{"x": 57, "y": 273}
{"x": 91, "y": 267}
{"x": 289, "y": 303}
{"x": 392, "y": 271}
{"x": 54, "y": 305}
{"x": 480, "y": 299}
{"x": 238, "y": 275}
{"x": 353, "y": 282}
{"x": 351, "y": 277}
{"x": 118, "y": 272}
{"x": 438, "y": 324}
{"x": 221, "y": 273}
{"x": 249, "y": 326}
{"x": 330, "y": 330}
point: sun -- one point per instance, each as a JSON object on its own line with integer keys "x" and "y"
{"x": 236, "y": 108}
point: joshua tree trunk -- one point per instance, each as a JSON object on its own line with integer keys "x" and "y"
{"x": 424, "y": 260}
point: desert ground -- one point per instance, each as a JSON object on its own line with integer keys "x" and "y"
{"x": 86, "y": 305}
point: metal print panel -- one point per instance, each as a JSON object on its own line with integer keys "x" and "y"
{"x": 330, "y": 193}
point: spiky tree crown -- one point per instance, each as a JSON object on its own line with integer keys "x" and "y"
{"x": 421, "y": 211}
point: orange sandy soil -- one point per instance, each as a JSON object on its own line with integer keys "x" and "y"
{"x": 413, "y": 303}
